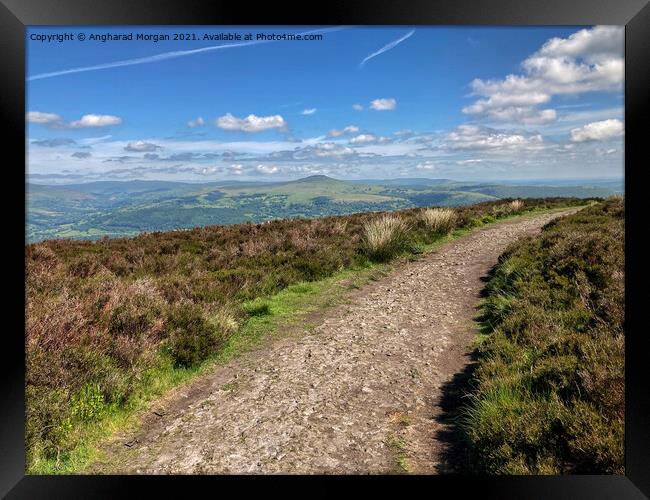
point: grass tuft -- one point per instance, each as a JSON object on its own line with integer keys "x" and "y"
{"x": 385, "y": 237}
{"x": 439, "y": 220}
{"x": 257, "y": 309}
{"x": 516, "y": 205}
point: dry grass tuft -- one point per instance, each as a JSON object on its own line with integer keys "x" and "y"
{"x": 385, "y": 237}
{"x": 516, "y": 205}
{"x": 507, "y": 209}
{"x": 439, "y": 220}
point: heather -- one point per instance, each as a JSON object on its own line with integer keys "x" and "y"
{"x": 548, "y": 390}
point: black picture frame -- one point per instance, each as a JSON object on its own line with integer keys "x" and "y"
{"x": 16, "y": 15}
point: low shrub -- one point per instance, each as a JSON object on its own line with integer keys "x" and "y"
{"x": 83, "y": 266}
{"x": 192, "y": 337}
{"x": 48, "y": 424}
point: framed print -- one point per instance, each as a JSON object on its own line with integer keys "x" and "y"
{"x": 392, "y": 241}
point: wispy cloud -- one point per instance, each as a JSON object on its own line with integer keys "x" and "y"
{"x": 196, "y": 123}
{"x": 166, "y": 55}
{"x": 350, "y": 129}
{"x": 386, "y": 48}
{"x": 54, "y": 143}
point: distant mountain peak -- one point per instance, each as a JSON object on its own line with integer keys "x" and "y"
{"x": 317, "y": 178}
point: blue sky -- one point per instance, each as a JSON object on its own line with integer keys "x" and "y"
{"x": 362, "y": 102}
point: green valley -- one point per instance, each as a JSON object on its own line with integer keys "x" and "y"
{"x": 117, "y": 209}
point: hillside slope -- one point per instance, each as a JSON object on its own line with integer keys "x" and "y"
{"x": 93, "y": 210}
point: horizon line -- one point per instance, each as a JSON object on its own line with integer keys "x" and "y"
{"x": 375, "y": 179}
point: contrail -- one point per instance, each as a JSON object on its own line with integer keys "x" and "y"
{"x": 166, "y": 55}
{"x": 387, "y": 47}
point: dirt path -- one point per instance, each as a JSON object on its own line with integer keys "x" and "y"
{"x": 358, "y": 394}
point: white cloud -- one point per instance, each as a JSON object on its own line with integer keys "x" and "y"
{"x": 43, "y": 118}
{"x": 92, "y": 121}
{"x": 350, "y": 129}
{"x": 368, "y": 139}
{"x": 363, "y": 139}
{"x": 308, "y": 112}
{"x": 503, "y": 108}
{"x": 329, "y": 149}
{"x": 236, "y": 169}
{"x": 326, "y": 150}
{"x": 251, "y": 123}
{"x": 319, "y": 150}
{"x": 594, "y": 45}
{"x": 386, "y": 104}
{"x": 210, "y": 170}
{"x": 597, "y": 131}
{"x": 503, "y": 152}
{"x": 588, "y": 60}
{"x": 196, "y": 123}
{"x": 426, "y": 165}
{"x": 141, "y": 147}
{"x": 267, "y": 169}
{"x": 86, "y": 121}
{"x": 357, "y": 107}
{"x": 474, "y": 137}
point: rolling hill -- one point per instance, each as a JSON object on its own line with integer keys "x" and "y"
{"x": 116, "y": 208}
